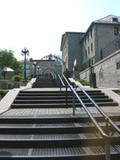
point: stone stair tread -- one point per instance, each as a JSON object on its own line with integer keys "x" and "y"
{"x": 57, "y": 100}
{"x": 47, "y": 153}
{"x": 27, "y": 134}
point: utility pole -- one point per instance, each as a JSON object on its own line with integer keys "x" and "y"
{"x": 25, "y": 53}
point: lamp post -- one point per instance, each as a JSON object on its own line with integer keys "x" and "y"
{"x": 38, "y": 70}
{"x": 25, "y": 53}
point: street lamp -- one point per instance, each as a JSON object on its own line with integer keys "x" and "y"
{"x": 38, "y": 70}
{"x": 25, "y": 53}
{"x": 74, "y": 67}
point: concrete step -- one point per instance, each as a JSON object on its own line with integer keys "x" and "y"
{"x": 59, "y": 97}
{"x": 60, "y": 105}
{"x": 48, "y": 91}
{"x": 38, "y": 101}
{"x": 55, "y": 143}
{"x": 69, "y": 153}
{"x": 54, "y": 93}
{"x": 54, "y": 129}
{"x": 54, "y": 119}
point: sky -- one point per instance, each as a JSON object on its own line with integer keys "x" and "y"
{"x": 39, "y": 24}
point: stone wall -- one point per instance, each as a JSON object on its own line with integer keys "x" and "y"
{"x": 9, "y": 84}
{"x": 107, "y": 71}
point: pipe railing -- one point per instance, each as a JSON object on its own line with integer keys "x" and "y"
{"x": 107, "y": 118}
{"x": 86, "y": 109}
{"x": 106, "y": 136}
{"x": 61, "y": 82}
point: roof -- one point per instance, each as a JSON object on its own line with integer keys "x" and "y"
{"x": 108, "y": 19}
{"x": 7, "y": 69}
{"x": 64, "y": 36}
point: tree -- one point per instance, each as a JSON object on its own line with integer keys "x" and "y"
{"x": 7, "y": 59}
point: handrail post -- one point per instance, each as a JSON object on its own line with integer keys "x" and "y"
{"x": 107, "y": 143}
{"x": 107, "y": 149}
{"x": 61, "y": 82}
{"x": 73, "y": 104}
{"x": 60, "y": 86}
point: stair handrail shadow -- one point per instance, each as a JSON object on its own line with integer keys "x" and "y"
{"x": 107, "y": 137}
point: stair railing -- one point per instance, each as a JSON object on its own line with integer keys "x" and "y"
{"x": 107, "y": 137}
{"x": 107, "y": 118}
{"x": 61, "y": 82}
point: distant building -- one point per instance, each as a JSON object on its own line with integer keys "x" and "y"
{"x": 71, "y": 49}
{"x": 47, "y": 65}
{"x": 28, "y": 68}
{"x": 8, "y": 73}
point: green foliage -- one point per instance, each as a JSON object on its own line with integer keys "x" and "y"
{"x": 67, "y": 73}
{"x": 24, "y": 82}
{"x": 7, "y": 59}
{"x": 84, "y": 82}
{"x": 16, "y": 78}
{"x": 20, "y": 79}
{"x": 3, "y": 92}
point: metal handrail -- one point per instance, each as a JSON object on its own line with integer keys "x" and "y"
{"x": 98, "y": 127}
{"x": 61, "y": 80}
{"x": 107, "y": 118}
{"x": 107, "y": 137}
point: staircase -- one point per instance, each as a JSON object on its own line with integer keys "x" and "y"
{"x": 46, "y": 81}
{"x": 59, "y": 99}
{"x": 40, "y": 126}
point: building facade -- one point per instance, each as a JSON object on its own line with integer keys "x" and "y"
{"x": 101, "y": 51}
{"x": 107, "y": 71}
{"x": 70, "y": 47}
{"x": 100, "y": 33}
{"x": 92, "y": 46}
{"x": 97, "y": 50}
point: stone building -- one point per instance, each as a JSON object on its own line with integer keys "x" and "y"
{"x": 107, "y": 71}
{"x": 98, "y": 48}
{"x": 89, "y": 48}
{"x": 99, "y": 34}
{"x": 70, "y": 47}
{"x": 101, "y": 50}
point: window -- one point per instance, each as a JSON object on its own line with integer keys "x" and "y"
{"x": 88, "y": 37}
{"x": 85, "y": 56}
{"x": 115, "y": 19}
{"x": 116, "y": 31}
{"x": 88, "y": 50}
{"x": 91, "y": 47}
{"x": 118, "y": 65}
{"x": 91, "y": 33}
{"x": 101, "y": 53}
